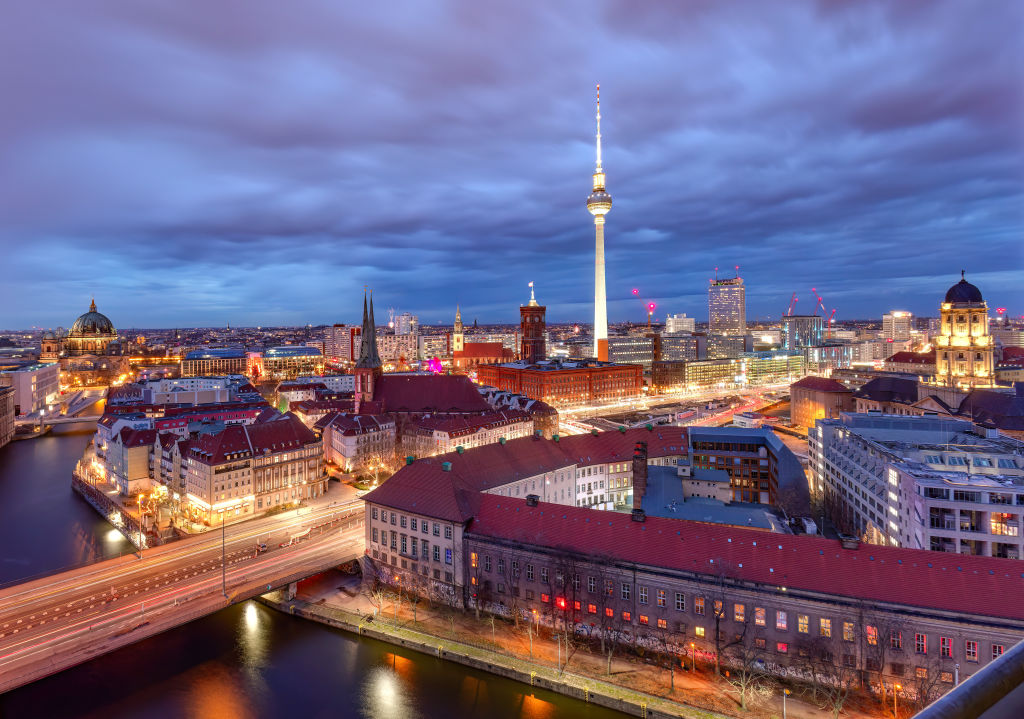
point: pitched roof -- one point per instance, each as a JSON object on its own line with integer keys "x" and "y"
{"x": 874, "y": 573}
{"x": 137, "y": 437}
{"x": 353, "y": 424}
{"x": 820, "y": 384}
{"x": 468, "y": 424}
{"x": 483, "y": 350}
{"x": 495, "y": 465}
{"x": 428, "y": 393}
{"x": 919, "y": 358}
{"x": 238, "y": 441}
{"x": 889, "y": 389}
{"x": 1001, "y": 409}
{"x": 422, "y": 490}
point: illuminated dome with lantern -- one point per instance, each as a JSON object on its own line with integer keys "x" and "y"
{"x": 91, "y": 334}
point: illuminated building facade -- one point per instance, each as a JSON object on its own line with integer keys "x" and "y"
{"x": 727, "y": 307}
{"x": 291, "y": 361}
{"x": 6, "y": 415}
{"x": 680, "y": 375}
{"x": 964, "y": 356}
{"x": 679, "y": 323}
{"x": 896, "y": 325}
{"x": 799, "y": 331}
{"x": 91, "y": 334}
{"x": 599, "y": 203}
{"x": 214, "y": 361}
{"x": 565, "y": 383}
{"x": 458, "y": 333}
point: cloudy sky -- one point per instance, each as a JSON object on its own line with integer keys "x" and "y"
{"x": 196, "y": 163}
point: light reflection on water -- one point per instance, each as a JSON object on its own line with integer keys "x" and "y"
{"x": 245, "y": 661}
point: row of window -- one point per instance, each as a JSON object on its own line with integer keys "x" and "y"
{"x": 411, "y": 522}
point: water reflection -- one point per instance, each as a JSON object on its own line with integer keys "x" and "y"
{"x": 385, "y": 696}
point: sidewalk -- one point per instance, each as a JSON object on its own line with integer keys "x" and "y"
{"x": 633, "y": 680}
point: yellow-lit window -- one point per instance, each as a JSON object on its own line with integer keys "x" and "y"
{"x": 802, "y": 623}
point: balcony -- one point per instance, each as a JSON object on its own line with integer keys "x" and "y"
{"x": 947, "y": 523}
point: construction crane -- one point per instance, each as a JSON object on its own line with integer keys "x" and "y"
{"x": 824, "y": 312}
{"x": 792, "y": 303}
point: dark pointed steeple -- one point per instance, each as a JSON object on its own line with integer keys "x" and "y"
{"x": 368, "y": 357}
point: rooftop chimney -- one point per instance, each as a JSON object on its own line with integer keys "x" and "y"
{"x": 638, "y": 515}
{"x": 532, "y": 500}
{"x": 639, "y": 474}
{"x": 446, "y": 466}
{"x": 409, "y": 460}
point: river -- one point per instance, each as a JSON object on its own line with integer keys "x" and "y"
{"x": 245, "y": 661}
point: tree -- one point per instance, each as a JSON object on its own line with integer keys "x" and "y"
{"x": 831, "y": 681}
{"x": 927, "y": 684}
{"x": 510, "y": 571}
{"x": 748, "y": 672}
{"x": 667, "y": 653}
{"x": 719, "y": 609}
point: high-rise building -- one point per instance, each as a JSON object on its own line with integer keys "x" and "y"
{"x": 635, "y": 349}
{"x": 684, "y": 347}
{"x": 675, "y": 324}
{"x": 800, "y": 331}
{"x": 727, "y": 307}
{"x": 407, "y": 324}
{"x": 896, "y": 325}
{"x": 533, "y": 324}
{"x": 341, "y": 342}
{"x": 964, "y": 356}
{"x": 598, "y": 204}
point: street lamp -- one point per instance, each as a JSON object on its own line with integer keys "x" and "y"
{"x": 895, "y": 690}
{"x": 785, "y": 693}
{"x": 693, "y": 658}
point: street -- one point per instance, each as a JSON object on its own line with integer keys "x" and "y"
{"x": 51, "y": 623}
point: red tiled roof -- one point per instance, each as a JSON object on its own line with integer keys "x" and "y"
{"x": 313, "y": 405}
{"x": 483, "y": 350}
{"x": 421, "y": 491}
{"x": 820, "y": 384}
{"x": 912, "y": 358}
{"x": 137, "y": 437}
{"x": 467, "y": 424}
{"x": 428, "y": 393}
{"x": 300, "y": 386}
{"x": 279, "y": 435}
{"x": 495, "y": 465}
{"x": 876, "y": 573}
{"x": 353, "y": 424}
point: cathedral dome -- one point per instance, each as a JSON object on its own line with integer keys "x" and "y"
{"x": 963, "y": 292}
{"x": 92, "y": 323}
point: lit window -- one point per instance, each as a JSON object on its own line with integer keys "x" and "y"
{"x": 847, "y": 631}
{"x": 872, "y": 635}
{"x": 782, "y": 647}
{"x": 781, "y": 621}
{"x": 626, "y": 616}
{"x": 971, "y": 651}
{"x": 921, "y": 643}
{"x": 802, "y": 623}
{"x": 759, "y": 616}
{"x": 946, "y": 647}
{"x": 698, "y": 631}
{"x": 825, "y": 627}
{"x": 698, "y": 606}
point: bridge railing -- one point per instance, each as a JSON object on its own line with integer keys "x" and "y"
{"x": 988, "y": 689}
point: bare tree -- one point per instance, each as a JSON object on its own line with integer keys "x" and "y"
{"x": 719, "y": 609}
{"x": 748, "y": 673}
{"x": 510, "y": 572}
{"x": 667, "y": 652}
{"x": 831, "y": 681}
{"x": 929, "y": 679}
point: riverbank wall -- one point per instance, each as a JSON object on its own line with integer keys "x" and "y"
{"x": 586, "y": 689}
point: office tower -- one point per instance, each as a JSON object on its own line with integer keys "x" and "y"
{"x": 896, "y": 325}
{"x": 674, "y": 324}
{"x": 727, "y": 307}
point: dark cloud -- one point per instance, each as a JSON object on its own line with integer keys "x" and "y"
{"x": 196, "y": 164}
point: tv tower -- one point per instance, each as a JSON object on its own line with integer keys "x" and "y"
{"x": 598, "y": 204}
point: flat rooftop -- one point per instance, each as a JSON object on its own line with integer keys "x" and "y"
{"x": 664, "y": 498}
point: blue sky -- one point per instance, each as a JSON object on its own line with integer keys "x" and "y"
{"x": 201, "y": 163}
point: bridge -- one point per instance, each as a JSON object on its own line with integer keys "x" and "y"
{"x": 73, "y": 405}
{"x": 56, "y": 622}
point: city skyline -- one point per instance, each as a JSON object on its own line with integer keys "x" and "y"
{"x": 265, "y": 177}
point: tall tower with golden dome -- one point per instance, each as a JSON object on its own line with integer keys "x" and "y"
{"x": 963, "y": 348}
{"x": 598, "y": 204}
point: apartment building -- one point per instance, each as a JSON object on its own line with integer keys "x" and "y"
{"x": 355, "y": 441}
{"x": 440, "y": 434}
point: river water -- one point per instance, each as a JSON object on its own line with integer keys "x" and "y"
{"x": 245, "y": 661}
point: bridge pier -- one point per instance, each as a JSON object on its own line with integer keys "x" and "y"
{"x": 292, "y": 590}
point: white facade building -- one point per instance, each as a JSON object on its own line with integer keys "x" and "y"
{"x": 896, "y": 325}
{"x": 35, "y": 386}
{"x": 679, "y": 323}
{"x": 921, "y": 482}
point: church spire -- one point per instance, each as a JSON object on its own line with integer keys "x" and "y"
{"x": 368, "y": 357}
